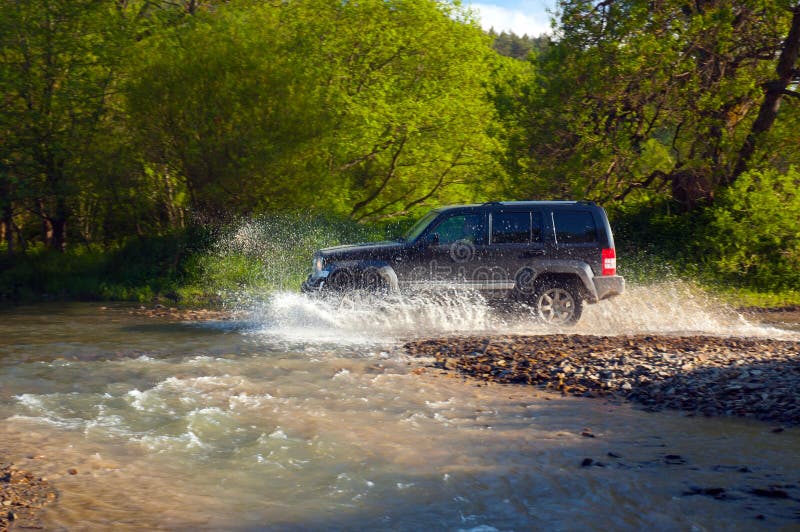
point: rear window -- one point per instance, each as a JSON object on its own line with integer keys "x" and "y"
{"x": 575, "y": 227}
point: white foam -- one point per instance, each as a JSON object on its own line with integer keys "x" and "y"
{"x": 671, "y": 307}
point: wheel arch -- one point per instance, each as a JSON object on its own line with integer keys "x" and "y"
{"x": 575, "y": 272}
{"x": 355, "y": 270}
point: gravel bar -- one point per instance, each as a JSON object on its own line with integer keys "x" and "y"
{"x": 714, "y": 376}
{"x": 22, "y": 496}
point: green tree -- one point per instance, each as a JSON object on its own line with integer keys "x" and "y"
{"x": 637, "y": 98}
{"x": 369, "y": 109}
{"x": 58, "y": 61}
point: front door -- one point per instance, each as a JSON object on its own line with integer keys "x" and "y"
{"x": 457, "y": 246}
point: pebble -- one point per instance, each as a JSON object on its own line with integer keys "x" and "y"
{"x": 702, "y": 375}
{"x": 21, "y": 496}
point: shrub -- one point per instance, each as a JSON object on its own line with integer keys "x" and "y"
{"x": 754, "y": 231}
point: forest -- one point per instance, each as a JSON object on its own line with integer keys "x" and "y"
{"x": 135, "y": 132}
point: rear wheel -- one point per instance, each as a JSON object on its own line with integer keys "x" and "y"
{"x": 558, "y": 303}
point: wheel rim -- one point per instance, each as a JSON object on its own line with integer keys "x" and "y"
{"x": 556, "y": 305}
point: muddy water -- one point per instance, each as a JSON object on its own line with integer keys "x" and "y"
{"x": 297, "y": 416}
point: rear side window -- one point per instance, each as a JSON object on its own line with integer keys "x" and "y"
{"x": 516, "y": 227}
{"x": 575, "y": 227}
{"x": 511, "y": 227}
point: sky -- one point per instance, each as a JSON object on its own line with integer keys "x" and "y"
{"x": 519, "y": 16}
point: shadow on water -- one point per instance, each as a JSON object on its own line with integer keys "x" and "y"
{"x": 184, "y": 328}
{"x": 558, "y": 483}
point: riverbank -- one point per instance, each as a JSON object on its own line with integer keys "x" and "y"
{"x": 22, "y": 496}
{"x": 755, "y": 378}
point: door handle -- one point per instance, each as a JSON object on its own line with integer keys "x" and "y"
{"x": 532, "y": 253}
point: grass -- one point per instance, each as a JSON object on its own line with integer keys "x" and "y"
{"x": 195, "y": 267}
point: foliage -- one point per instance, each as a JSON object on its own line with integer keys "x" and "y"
{"x": 365, "y": 109}
{"x": 636, "y": 99}
{"x": 138, "y": 269}
{"x": 754, "y": 231}
{"x": 510, "y": 44}
{"x": 189, "y": 266}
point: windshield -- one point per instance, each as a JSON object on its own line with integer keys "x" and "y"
{"x": 420, "y": 226}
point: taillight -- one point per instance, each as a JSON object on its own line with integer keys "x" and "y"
{"x": 609, "y": 257}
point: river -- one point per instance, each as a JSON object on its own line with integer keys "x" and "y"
{"x": 297, "y": 415}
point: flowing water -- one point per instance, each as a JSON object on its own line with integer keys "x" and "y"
{"x": 302, "y": 414}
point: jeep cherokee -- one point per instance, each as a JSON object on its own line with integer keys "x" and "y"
{"x": 552, "y": 255}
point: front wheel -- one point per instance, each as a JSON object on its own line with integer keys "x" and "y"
{"x": 558, "y": 304}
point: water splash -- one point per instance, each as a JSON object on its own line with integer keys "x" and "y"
{"x": 664, "y": 308}
{"x": 281, "y": 247}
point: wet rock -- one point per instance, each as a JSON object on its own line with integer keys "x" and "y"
{"x": 717, "y": 493}
{"x": 713, "y": 376}
{"x": 21, "y": 495}
{"x": 771, "y": 493}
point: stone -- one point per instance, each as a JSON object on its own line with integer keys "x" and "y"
{"x": 698, "y": 374}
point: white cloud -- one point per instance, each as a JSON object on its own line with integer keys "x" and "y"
{"x": 520, "y": 22}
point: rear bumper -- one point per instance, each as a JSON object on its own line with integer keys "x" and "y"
{"x": 609, "y": 286}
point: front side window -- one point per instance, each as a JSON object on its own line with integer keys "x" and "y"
{"x": 575, "y": 227}
{"x": 420, "y": 226}
{"x": 462, "y": 227}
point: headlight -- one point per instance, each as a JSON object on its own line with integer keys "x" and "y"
{"x": 317, "y": 264}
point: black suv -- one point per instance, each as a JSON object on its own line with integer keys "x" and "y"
{"x": 551, "y": 255}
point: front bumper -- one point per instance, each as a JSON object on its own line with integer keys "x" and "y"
{"x": 609, "y": 286}
{"x": 314, "y": 283}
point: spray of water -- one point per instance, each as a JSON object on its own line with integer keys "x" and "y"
{"x": 281, "y": 249}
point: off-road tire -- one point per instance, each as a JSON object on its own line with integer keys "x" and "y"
{"x": 557, "y": 303}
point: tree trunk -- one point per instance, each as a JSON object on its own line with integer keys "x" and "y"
{"x": 59, "y": 224}
{"x": 7, "y": 220}
{"x": 774, "y": 91}
{"x": 8, "y": 230}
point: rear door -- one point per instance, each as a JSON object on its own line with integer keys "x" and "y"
{"x": 516, "y": 243}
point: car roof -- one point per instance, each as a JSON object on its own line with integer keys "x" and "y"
{"x": 518, "y": 204}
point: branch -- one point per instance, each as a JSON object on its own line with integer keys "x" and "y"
{"x": 793, "y": 94}
{"x": 371, "y": 155}
{"x": 643, "y": 184}
{"x": 387, "y": 177}
{"x": 441, "y": 180}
